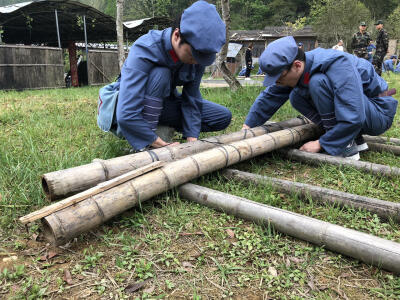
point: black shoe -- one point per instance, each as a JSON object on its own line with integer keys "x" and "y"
{"x": 361, "y": 144}
{"x": 351, "y": 151}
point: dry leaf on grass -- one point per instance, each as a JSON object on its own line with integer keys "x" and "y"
{"x": 149, "y": 290}
{"x": 11, "y": 258}
{"x": 67, "y": 277}
{"x": 272, "y": 271}
{"x": 131, "y": 288}
{"x": 191, "y": 233}
{"x": 230, "y": 233}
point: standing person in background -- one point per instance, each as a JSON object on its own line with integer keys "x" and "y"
{"x": 360, "y": 41}
{"x": 382, "y": 46}
{"x": 301, "y": 46}
{"x": 339, "y": 46}
{"x": 249, "y": 60}
{"x": 370, "y": 50}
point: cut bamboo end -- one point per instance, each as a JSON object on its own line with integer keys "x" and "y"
{"x": 104, "y": 186}
{"x": 90, "y": 213}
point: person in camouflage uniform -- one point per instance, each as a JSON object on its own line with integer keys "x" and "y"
{"x": 360, "y": 41}
{"x": 382, "y": 45}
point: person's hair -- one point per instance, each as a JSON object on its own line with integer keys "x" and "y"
{"x": 250, "y": 46}
{"x": 177, "y": 24}
{"x": 300, "y": 55}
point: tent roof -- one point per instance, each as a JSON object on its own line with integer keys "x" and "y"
{"x": 34, "y": 23}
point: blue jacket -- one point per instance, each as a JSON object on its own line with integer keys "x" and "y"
{"x": 350, "y": 76}
{"x": 388, "y": 65}
{"x": 154, "y": 49}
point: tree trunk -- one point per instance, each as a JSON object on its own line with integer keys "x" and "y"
{"x": 120, "y": 32}
{"x": 221, "y": 57}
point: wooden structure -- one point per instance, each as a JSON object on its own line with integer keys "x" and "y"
{"x": 30, "y": 67}
{"x": 261, "y": 38}
{"x": 103, "y": 66}
{"x": 62, "y": 24}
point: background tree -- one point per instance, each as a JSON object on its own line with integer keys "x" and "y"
{"x": 380, "y": 9}
{"x": 333, "y": 20}
{"x": 221, "y": 57}
{"x": 120, "y": 32}
{"x": 394, "y": 24}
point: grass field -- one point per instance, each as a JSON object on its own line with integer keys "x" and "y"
{"x": 182, "y": 250}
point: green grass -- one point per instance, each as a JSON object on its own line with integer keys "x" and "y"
{"x": 181, "y": 249}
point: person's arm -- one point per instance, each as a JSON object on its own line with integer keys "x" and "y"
{"x": 134, "y": 76}
{"x": 349, "y": 105}
{"x": 385, "y": 39}
{"x": 192, "y": 106}
{"x": 266, "y": 104}
{"x": 353, "y": 43}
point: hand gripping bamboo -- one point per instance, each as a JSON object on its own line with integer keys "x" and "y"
{"x": 62, "y": 183}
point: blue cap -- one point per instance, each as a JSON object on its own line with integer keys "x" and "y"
{"x": 204, "y": 30}
{"x": 278, "y": 56}
{"x": 393, "y": 56}
{"x": 300, "y": 44}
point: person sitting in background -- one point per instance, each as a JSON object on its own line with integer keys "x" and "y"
{"x": 301, "y": 46}
{"x": 336, "y": 90}
{"x": 338, "y": 46}
{"x": 249, "y": 61}
{"x": 390, "y": 64}
{"x": 158, "y": 62}
{"x": 370, "y": 50}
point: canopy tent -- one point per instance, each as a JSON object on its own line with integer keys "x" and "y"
{"x": 35, "y": 22}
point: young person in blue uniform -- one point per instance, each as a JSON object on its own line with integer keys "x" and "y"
{"x": 336, "y": 90}
{"x": 390, "y": 64}
{"x": 145, "y": 95}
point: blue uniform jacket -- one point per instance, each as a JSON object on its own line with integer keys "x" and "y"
{"x": 149, "y": 51}
{"x": 388, "y": 65}
{"x": 351, "y": 77}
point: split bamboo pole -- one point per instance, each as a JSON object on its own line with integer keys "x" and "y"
{"x": 384, "y": 148}
{"x": 318, "y": 158}
{"x": 365, "y": 247}
{"x": 63, "y": 225}
{"x": 383, "y": 209}
{"x": 381, "y": 140}
{"x": 62, "y": 183}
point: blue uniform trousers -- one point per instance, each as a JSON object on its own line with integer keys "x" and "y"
{"x": 320, "y": 108}
{"x": 162, "y": 105}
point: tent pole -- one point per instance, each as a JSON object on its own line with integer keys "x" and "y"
{"x": 58, "y": 29}
{"x": 86, "y": 47}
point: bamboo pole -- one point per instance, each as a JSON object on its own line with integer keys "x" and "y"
{"x": 318, "y": 158}
{"x": 365, "y": 247}
{"x": 63, "y": 225}
{"x": 101, "y": 187}
{"x": 383, "y": 209}
{"x": 62, "y": 183}
{"x": 384, "y": 148}
{"x": 381, "y": 140}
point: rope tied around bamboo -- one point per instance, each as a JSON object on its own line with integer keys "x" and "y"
{"x": 62, "y": 183}
{"x": 63, "y": 225}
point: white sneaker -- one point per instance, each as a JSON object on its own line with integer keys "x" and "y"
{"x": 247, "y": 78}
